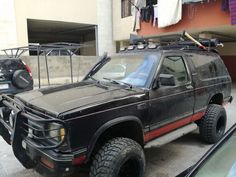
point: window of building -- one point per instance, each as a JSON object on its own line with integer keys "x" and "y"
{"x": 126, "y": 8}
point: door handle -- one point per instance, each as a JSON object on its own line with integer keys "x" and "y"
{"x": 189, "y": 87}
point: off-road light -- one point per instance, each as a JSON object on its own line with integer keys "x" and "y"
{"x": 141, "y": 46}
{"x": 152, "y": 46}
{"x": 131, "y": 47}
{"x": 122, "y": 48}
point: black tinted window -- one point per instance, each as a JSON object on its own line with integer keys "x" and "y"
{"x": 209, "y": 66}
{"x": 175, "y": 66}
{"x": 10, "y": 64}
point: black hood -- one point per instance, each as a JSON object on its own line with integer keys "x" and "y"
{"x": 58, "y": 100}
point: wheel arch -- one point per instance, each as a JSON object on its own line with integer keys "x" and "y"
{"x": 128, "y": 126}
{"x": 217, "y": 98}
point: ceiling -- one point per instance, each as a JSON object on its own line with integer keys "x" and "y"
{"x": 43, "y": 31}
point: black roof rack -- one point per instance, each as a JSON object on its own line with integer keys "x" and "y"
{"x": 175, "y": 41}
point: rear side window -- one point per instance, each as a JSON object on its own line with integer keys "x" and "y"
{"x": 209, "y": 66}
{"x": 10, "y": 64}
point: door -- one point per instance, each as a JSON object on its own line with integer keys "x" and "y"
{"x": 172, "y": 104}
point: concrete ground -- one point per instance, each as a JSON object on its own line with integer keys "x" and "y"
{"x": 167, "y": 161}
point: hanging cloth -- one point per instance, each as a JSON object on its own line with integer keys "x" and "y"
{"x": 169, "y": 12}
{"x": 232, "y": 10}
{"x": 155, "y": 14}
{"x": 137, "y": 13}
{"x": 225, "y": 5}
{"x": 191, "y": 1}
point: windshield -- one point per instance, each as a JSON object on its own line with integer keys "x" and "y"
{"x": 222, "y": 163}
{"x": 135, "y": 70}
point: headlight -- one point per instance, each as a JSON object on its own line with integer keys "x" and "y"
{"x": 56, "y": 132}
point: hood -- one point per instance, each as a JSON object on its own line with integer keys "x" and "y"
{"x": 57, "y": 100}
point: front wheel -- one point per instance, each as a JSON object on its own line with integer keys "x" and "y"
{"x": 119, "y": 157}
{"x": 212, "y": 125}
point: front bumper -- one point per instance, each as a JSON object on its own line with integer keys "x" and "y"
{"x": 33, "y": 152}
{"x": 49, "y": 162}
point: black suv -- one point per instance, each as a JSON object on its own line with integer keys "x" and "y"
{"x": 147, "y": 95}
{"x": 15, "y": 76}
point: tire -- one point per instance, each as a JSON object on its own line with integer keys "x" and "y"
{"x": 212, "y": 125}
{"x": 119, "y": 157}
{"x": 21, "y": 79}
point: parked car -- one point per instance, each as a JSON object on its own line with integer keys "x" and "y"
{"x": 105, "y": 122}
{"x": 219, "y": 161}
{"x": 15, "y": 76}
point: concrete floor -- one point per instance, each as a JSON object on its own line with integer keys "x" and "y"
{"x": 167, "y": 161}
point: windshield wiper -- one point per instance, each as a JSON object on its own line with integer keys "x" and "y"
{"x": 91, "y": 77}
{"x": 97, "y": 82}
{"x": 118, "y": 82}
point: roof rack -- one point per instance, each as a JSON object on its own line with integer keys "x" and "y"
{"x": 176, "y": 41}
{"x": 43, "y": 49}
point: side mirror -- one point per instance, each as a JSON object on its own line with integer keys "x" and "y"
{"x": 167, "y": 80}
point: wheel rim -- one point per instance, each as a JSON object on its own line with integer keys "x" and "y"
{"x": 220, "y": 126}
{"x": 130, "y": 168}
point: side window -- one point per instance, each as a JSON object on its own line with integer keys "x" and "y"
{"x": 221, "y": 68}
{"x": 174, "y": 65}
{"x": 208, "y": 66}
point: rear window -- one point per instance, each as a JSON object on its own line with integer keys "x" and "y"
{"x": 10, "y": 64}
{"x": 209, "y": 66}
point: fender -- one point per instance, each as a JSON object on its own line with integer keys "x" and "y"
{"x": 108, "y": 125}
{"x": 213, "y": 94}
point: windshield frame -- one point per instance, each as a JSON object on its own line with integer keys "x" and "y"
{"x": 211, "y": 152}
{"x": 100, "y": 64}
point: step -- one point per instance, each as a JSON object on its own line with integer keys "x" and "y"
{"x": 167, "y": 138}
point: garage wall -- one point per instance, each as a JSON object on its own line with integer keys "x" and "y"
{"x": 7, "y": 24}
{"x": 228, "y": 54}
{"x": 55, "y": 10}
{"x": 59, "y": 68}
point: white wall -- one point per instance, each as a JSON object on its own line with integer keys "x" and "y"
{"x": 7, "y": 24}
{"x": 122, "y": 27}
{"x": 105, "y": 27}
{"x": 77, "y": 11}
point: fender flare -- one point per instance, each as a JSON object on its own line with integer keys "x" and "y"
{"x": 108, "y": 125}
{"x": 213, "y": 94}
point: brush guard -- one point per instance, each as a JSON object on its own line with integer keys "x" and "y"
{"x": 23, "y": 129}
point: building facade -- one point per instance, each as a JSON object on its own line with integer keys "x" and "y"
{"x": 106, "y": 25}
{"x": 42, "y": 21}
{"x": 201, "y": 18}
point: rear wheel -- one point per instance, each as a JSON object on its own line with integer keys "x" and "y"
{"x": 120, "y": 157}
{"x": 212, "y": 125}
